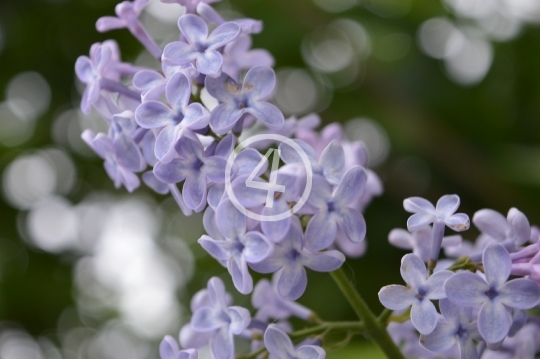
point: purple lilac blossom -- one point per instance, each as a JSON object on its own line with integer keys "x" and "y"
{"x": 289, "y": 259}
{"x": 102, "y": 70}
{"x": 90, "y": 71}
{"x": 173, "y": 120}
{"x": 237, "y": 100}
{"x": 190, "y": 338}
{"x": 270, "y": 305}
{"x": 494, "y": 294}
{"x": 200, "y": 47}
{"x": 119, "y": 165}
{"x": 511, "y": 232}
{"x": 222, "y": 321}
{"x": 280, "y": 346}
{"x": 152, "y": 84}
{"x": 458, "y": 327}
{"x": 235, "y": 246}
{"x": 442, "y": 215}
{"x": 319, "y": 141}
{"x": 418, "y": 293}
{"x": 246, "y": 161}
{"x": 195, "y": 167}
{"x": 329, "y": 165}
{"x": 127, "y": 13}
{"x": 238, "y": 56}
{"x": 255, "y": 197}
{"x": 333, "y": 211}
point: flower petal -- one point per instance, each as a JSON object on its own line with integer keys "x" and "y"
{"x": 497, "y": 265}
{"x": 466, "y": 289}
{"x": 321, "y": 231}
{"x": 259, "y": 82}
{"x": 493, "y": 321}
{"x": 424, "y": 316}
{"x": 418, "y": 205}
{"x": 447, "y": 205}
{"x": 267, "y": 113}
{"x": 520, "y": 293}
{"x": 396, "y": 297}
{"x": 292, "y": 281}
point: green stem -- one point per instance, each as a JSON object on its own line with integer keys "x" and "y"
{"x": 373, "y": 328}
{"x": 383, "y": 317}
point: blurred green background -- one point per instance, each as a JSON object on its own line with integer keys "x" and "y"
{"x": 466, "y": 123}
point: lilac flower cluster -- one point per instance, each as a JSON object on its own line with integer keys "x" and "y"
{"x": 482, "y": 312}
{"x": 178, "y": 127}
{"x": 165, "y": 128}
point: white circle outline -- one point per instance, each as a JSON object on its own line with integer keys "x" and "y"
{"x": 307, "y": 189}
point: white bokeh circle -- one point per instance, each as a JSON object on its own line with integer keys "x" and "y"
{"x": 305, "y": 161}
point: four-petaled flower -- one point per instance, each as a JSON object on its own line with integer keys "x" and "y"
{"x": 234, "y": 246}
{"x": 173, "y": 120}
{"x": 289, "y": 258}
{"x": 493, "y": 294}
{"x": 200, "y": 47}
{"x": 238, "y": 99}
{"x": 333, "y": 210}
{"x": 219, "y": 319}
{"x": 418, "y": 293}
{"x": 195, "y": 167}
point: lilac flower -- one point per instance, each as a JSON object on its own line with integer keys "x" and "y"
{"x": 168, "y": 349}
{"x": 253, "y": 196}
{"x": 193, "y": 166}
{"x": 289, "y": 258}
{"x": 174, "y": 119}
{"x": 237, "y": 57}
{"x": 200, "y": 47}
{"x": 271, "y": 305}
{"x": 458, "y": 328}
{"x": 419, "y": 241}
{"x": 319, "y": 141}
{"x": 511, "y": 232}
{"x": 224, "y": 322}
{"x": 330, "y": 163}
{"x": 127, "y": 13}
{"x": 248, "y": 98}
{"x": 246, "y": 161}
{"x": 121, "y": 159}
{"x": 425, "y": 214}
{"x": 280, "y": 346}
{"x": 493, "y": 294}
{"x": 190, "y": 338}
{"x": 333, "y": 210}
{"x": 101, "y": 71}
{"x": 418, "y": 293}
{"x": 153, "y": 84}
{"x": 236, "y": 247}
{"x": 89, "y": 71}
